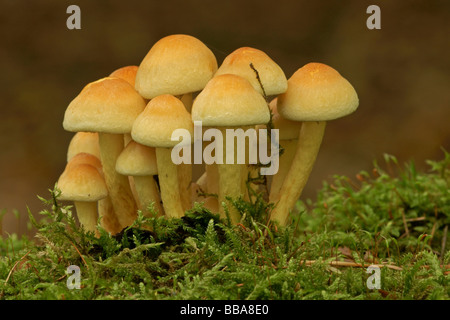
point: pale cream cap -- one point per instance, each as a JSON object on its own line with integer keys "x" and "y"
{"x": 176, "y": 64}
{"x": 317, "y": 92}
{"x": 137, "y": 160}
{"x": 82, "y": 182}
{"x": 83, "y": 142}
{"x": 271, "y": 75}
{"x": 230, "y": 100}
{"x": 162, "y": 115}
{"x": 108, "y": 105}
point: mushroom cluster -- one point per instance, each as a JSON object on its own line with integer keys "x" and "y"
{"x": 119, "y": 160}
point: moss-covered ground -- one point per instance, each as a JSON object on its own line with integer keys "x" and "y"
{"x": 393, "y": 218}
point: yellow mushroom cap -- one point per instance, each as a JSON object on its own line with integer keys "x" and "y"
{"x": 83, "y": 142}
{"x": 127, "y": 73}
{"x": 230, "y": 100}
{"x": 137, "y": 160}
{"x": 176, "y": 64}
{"x": 317, "y": 92}
{"x": 160, "y": 118}
{"x": 82, "y": 182}
{"x": 271, "y": 75}
{"x": 108, "y": 105}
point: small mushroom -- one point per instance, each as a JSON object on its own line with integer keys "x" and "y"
{"x": 108, "y": 106}
{"x": 139, "y": 161}
{"x": 108, "y": 219}
{"x": 83, "y": 184}
{"x": 230, "y": 102}
{"x": 154, "y": 127}
{"x": 316, "y": 93}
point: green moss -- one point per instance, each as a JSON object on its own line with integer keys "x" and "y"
{"x": 395, "y": 217}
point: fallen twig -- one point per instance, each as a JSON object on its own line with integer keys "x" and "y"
{"x": 15, "y": 265}
{"x": 359, "y": 265}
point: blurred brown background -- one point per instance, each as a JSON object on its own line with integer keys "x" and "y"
{"x": 401, "y": 74}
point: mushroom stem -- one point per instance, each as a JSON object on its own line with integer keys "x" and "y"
{"x": 168, "y": 183}
{"x": 230, "y": 182}
{"x": 147, "y": 192}
{"x": 111, "y": 145}
{"x": 309, "y": 141}
{"x": 185, "y": 169}
{"x": 285, "y": 159}
{"x": 87, "y": 214}
{"x": 230, "y": 185}
{"x": 185, "y": 179}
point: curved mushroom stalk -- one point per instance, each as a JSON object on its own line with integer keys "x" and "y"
{"x": 111, "y": 145}
{"x": 316, "y": 93}
{"x": 309, "y": 141}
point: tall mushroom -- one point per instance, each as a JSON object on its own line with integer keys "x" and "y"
{"x": 263, "y": 73}
{"x": 109, "y": 106}
{"x": 178, "y": 65}
{"x": 83, "y": 184}
{"x": 230, "y": 102}
{"x": 154, "y": 127}
{"x": 139, "y": 161}
{"x": 316, "y": 93}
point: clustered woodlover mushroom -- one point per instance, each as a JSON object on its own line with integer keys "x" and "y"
{"x": 126, "y": 120}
